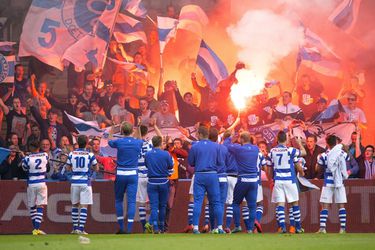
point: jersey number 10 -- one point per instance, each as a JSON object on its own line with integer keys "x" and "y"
{"x": 80, "y": 162}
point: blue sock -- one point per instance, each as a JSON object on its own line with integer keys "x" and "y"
{"x": 74, "y": 213}
{"x": 82, "y": 218}
{"x": 245, "y": 217}
{"x": 142, "y": 215}
{"x": 281, "y": 216}
{"x": 38, "y": 217}
{"x": 206, "y": 214}
{"x": 190, "y": 212}
{"x": 120, "y": 214}
{"x": 297, "y": 217}
{"x": 323, "y": 218}
{"x": 291, "y": 217}
{"x": 33, "y": 215}
{"x": 342, "y": 216}
{"x": 229, "y": 215}
{"x": 259, "y": 213}
{"x": 130, "y": 225}
{"x": 277, "y": 218}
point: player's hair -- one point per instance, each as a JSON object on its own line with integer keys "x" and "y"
{"x": 34, "y": 145}
{"x": 281, "y": 137}
{"x": 157, "y": 140}
{"x": 82, "y": 141}
{"x": 143, "y": 129}
{"x": 314, "y": 137}
{"x": 213, "y": 134}
{"x": 331, "y": 140}
{"x": 227, "y": 134}
{"x": 126, "y": 128}
{"x": 203, "y": 131}
{"x": 246, "y": 137}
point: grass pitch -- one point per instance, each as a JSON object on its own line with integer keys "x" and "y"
{"x": 191, "y": 242}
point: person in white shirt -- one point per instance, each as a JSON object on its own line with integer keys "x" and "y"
{"x": 352, "y": 112}
{"x": 287, "y": 110}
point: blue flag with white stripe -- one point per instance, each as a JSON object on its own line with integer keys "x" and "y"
{"x": 4, "y": 152}
{"x": 128, "y": 30}
{"x": 167, "y": 28}
{"x": 212, "y": 67}
{"x": 86, "y": 127}
{"x": 346, "y": 15}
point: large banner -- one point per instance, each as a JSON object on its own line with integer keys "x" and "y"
{"x": 14, "y": 215}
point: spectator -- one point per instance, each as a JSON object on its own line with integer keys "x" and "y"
{"x": 204, "y": 92}
{"x": 50, "y": 127}
{"x": 312, "y": 152}
{"x": 352, "y": 113}
{"x": 164, "y": 118}
{"x": 168, "y": 93}
{"x": 212, "y": 115}
{"x": 352, "y": 166}
{"x": 288, "y": 110}
{"x": 153, "y": 104}
{"x": 94, "y": 115}
{"x": 17, "y": 122}
{"x": 352, "y": 88}
{"x": 321, "y": 106}
{"x": 171, "y": 11}
{"x": 10, "y": 168}
{"x": 308, "y": 94}
{"x": 45, "y": 146}
{"x": 266, "y": 106}
{"x": 356, "y": 148}
{"x": 40, "y": 100}
{"x": 143, "y": 113}
{"x": 21, "y": 88}
{"x": 13, "y": 140}
{"x": 108, "y": 99}
{"x": 188, "y": 112}
{"x": 87, "y": 97}
{"x": 367, "y": 164}
{"x": 59, "y": 169}
{"x": 119, "y": 113}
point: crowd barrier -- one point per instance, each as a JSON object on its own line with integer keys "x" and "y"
{"x": 14, "y": 215}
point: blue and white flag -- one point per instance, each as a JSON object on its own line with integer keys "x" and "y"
{"x": 212, "y": 67}
{"x": 51, "y": 26}
{"x": 167, "y": 28}
{"x": 135, "y": 7}
{"x": 89, "y": 128}
{"x": 6, "y": 46}
{"x": 128, "y": 30}
{"x": 7, "y": 64}
{"x": 333, "y": 108}
{"x": 93, "y": 46}
{"x": 346, "y": 15}
{"x": 4, "y": 152}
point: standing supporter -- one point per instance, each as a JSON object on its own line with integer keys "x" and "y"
{"x": 106, "y": 163}
{"x": 10, "y": 168}
{"x": 128, "y": 150}
{"x": 188, "y": 112}
{"x": 40, "y": 100}
{"x": 21, "y": 85}
{"x": 312, "y": 152}
{"x": 87, "y": 97}
{"x": 334, "y": 164}
{"x": 118, "y": 111}
{"x": 308, "y": 93}
{"x": 153, "y": 104}
{"x": 159, "y": 165}
{"x": 353, "y": 87}
{"x": 367, "y": 164}
{"x": 164, "y": 118}
{"x": 204, "y": 156}
{"x": 352, "y": 112}
{"x": 355, "y": 147}
{"x": 321, "y": 106}
{"x": 94, "y": 115}
{"x": 168, "y": 94}
{"x": 108, "y": 99}
{"x": 288, "y": 110}
{"x": 143, "y": 114}
{"x": 45, "y": 146}
{"x": 36, "y": 165}
{"x": 212, "y": 115}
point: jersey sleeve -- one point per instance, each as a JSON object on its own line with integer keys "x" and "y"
{"x": 92, "y": 160}
{"x": 69, "y": 160}
{"x": 296, "y": 153}
{"x": 269, "y": 160}
{"x": 25, "y": 163}
{"x": 112, "y": 143}
{"x": 321, "y": 161}
{"x": 262, "y": 160}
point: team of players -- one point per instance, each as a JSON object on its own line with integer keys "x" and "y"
{"x": 229, "y": 173}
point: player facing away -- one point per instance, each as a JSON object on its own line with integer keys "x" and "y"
{"x": 333, "y": 161}
{"x": 249, "y": 160}
{"x": 81, "y": 163}
{"x": 36, "y": 165}
{"x": 204, "y": 156}
{"x": 159, "y": 164}
{"x": 284, "y": 160}
{"x": 128, "y": 150}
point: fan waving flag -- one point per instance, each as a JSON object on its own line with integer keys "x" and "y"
{"x": 92, "y": 47}
{"x": 212, "y": 67}
{"x": 128, "y": 30}
{"x": 193, "y": 19}
{"x": 4, "y": 152}
{"x": 346, "y": 15}
{"x": 167, "y": 28}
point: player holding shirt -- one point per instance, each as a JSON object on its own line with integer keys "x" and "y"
{"x": 333, "y": 161}
{"x": 284, "y": 159}
{"x": 249, "y": 160}
{"x": 159, "y": 164}
{"x": 81, "y": 163}
{"x": 128, "y": 151}
{"x": 36, "y": 164}
{"x": 204, "y": 156}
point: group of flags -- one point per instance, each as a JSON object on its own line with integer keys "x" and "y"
{"x": 7, "y": 62}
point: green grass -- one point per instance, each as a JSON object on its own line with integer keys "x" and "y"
{"x": 191, "y": 242}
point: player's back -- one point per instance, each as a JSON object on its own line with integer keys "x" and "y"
{"x": 323, "y": 162}
{"x": 142, "y": 169}
{"x": 81, "y": 162}
{"x": 283, "y": 159}
{"x": 36, "y": 165}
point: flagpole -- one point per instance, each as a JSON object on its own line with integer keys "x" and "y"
{"x": 153, "y": 22}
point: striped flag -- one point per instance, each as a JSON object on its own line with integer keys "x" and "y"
{"x": 136, "y": 8}
{"x": 192, "y": 18}
{"x": 333, "y": 108}
{"x": 212, "y": 67}
{"x": 346, "y": 15}
{"x": 167, "y": 28}
{"x": 85, "y": 127}
{"x": 7, "y": 64}
{"x": 128, "y": 30}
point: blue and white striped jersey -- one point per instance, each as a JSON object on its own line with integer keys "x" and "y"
{"x": 282, "y": 159}
{"x": 262, "y": 162}
{"x": 323, "y": 162}
{"x": 81, "y": 161}
{"x": 36, "y": 166}
{"x": 146, "y": 147}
